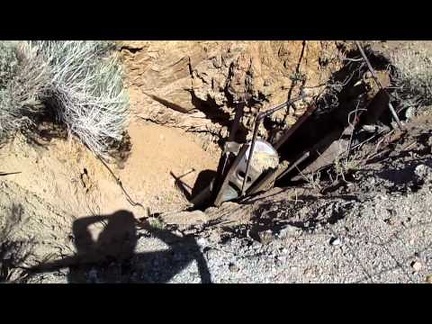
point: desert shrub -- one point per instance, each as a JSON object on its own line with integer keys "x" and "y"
{"x": 8, "y": 62}
{"x": 414, "y": 79}
{"x": 23, "y": 86}
{"x": 77, "y": 82}
{"x": 8, "y": 122}
{"x": 28, "y": 88}
{"x": 86, "y": 91}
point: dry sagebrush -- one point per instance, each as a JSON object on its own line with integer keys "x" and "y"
{"x": 414, "y": 78}
{"x": 22, "y": 85}
{"x": 79, "y": 81}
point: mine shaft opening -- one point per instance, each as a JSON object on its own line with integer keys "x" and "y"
{"x": 351, "y": 111}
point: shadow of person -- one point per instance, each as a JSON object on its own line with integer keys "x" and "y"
{"x": 117, "y": 239}
{"x": 102, "y": 259}
{"x": 110, "y": 256}
{"x": 114, "y": 245}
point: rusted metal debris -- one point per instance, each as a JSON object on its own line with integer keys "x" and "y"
{"x": 240, "y": 165}
{"x": 372, "y": 71}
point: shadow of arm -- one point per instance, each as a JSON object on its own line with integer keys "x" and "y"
{"x": 170, "y": 239}
{"x": 202, "y": 267}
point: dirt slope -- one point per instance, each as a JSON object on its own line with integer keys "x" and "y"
{"x": 55, "y": 173}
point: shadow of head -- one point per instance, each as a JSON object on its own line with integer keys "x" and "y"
{"x": 106, "y": 235}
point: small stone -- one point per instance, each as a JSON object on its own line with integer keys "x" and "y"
{"x": 289, "y": 229}
{"x": 389, "y": 221}
{"x": 309, "y": 272}
{"x": 178, "y": 233}
{"x": 422, "y": 171}
{"x": 335, "y": 241}
{"x": 410, "y": 113}
{"x": 416, "y": 265}
{"x": 233, "y": 268}
{"x": 429, "y": 278}
{"x": 266, "y": 236}
{"x": 202, "y": 241}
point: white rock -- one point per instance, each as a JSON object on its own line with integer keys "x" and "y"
{"x": 416, "y": 265}
{"x": 410, "y": 113}
{"x": 289, "y": 229}
{"x": 422, "y": 171}
{"x": 202, "y": 241}
{"x": 335, "y": 242}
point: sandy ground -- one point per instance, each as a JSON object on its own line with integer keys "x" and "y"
{"x": 55, "y": 173}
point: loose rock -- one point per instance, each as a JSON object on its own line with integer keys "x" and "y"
{"x": 233, "y": 268}
{"x": 288, "y": 230}
{"x": 266, "y": 236}
{"x": 416, "y": 265}
{"x": 335, "y": 241}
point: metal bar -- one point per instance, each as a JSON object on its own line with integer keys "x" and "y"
{"x": 258, "y": 120}
{"x": 236, "y": 122}
{"x": 221, "y": 170}
{"x": 251, "y": 149}
{"x": 295, "y": 164}
{"x": 377, "y": 81}
{"x": 224, "y": 184}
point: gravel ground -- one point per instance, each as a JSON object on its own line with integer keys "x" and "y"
{"x": 386, "y": 238}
